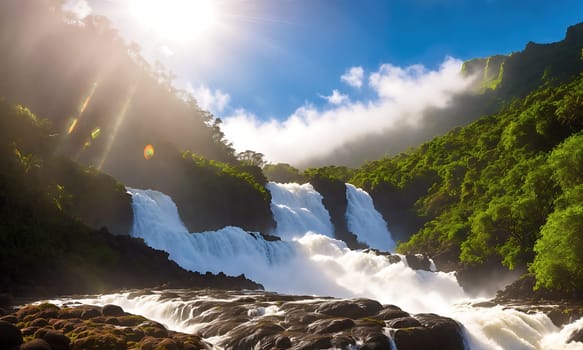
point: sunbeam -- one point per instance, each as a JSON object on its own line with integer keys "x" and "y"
{"x": 118, "y": 122}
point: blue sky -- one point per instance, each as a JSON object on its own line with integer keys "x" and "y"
{"x": 268, "y": 63}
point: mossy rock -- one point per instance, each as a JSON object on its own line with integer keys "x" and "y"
{"x": 99, "y": 342}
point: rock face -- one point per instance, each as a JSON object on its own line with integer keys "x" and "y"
{"x": 238, "y": 321}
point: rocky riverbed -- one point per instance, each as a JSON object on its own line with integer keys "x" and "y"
{"x": 229, "y": 320}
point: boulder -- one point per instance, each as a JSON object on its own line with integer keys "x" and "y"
{"x": 436, "y": 332}
{"x": 330, "y": 325}
{"x": 99, "y": 342}
{"x": 112, "y": 310}
{"x": 418, "y": 262}
{"x": 56, "y": 339}
{"x": 403, "y": 322}
{"x": 576, "y": 336}
{"x": 36, "y": 344}
{"x": 10, "y": 335}
{"x": 353, "y": 308}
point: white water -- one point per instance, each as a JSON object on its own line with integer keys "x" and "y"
{"x": 298, "y": 209}
{"x": 316, "y": 264}
{"x": 365, "y": 221}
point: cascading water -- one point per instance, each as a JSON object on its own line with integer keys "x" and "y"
{"x": 365, "y": 221}
{"x": 315, "y": 264}
{"x": 298, "y": 209}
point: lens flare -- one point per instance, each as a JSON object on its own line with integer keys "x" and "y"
{"x": 148, "y": 152}
{"x": 72, "y": 126}
{"x": 95, "y": 133}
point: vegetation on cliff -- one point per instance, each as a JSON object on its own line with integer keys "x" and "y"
{"x": 505, "y": 188}
{"x": 46, "y": 203}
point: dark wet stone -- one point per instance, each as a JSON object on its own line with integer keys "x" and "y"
{"x": 576, "y": 336}
{"x": 56, "y": 339}
{"x": 418, "y": 262}
{"x": 330, "y": 325}
{"x": 403, "y": 322}
{"x": 436, "y": 332}
{"x": 112, "y": 310}
{"x": 90, "y": 313}
{"x": 354, "y": 308}
{"x": 314, "y": 342}
{"x": 36, "y": 344}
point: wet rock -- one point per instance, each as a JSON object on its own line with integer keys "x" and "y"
{"x": 56, "y": 339}
{"x": 99, "y": 342}
{"x": 418, "y": 262}
{"x": 9, "y": 319}
{"x": 248, "y": 335}
{"x": 283, "y": 342}
{"x": 36, "y": 344}
{"x": 330, "y": 325}
{"x": 391, "y": 312}
{"x": 436, "y": 332}
{"x": 39, "y": 322}
{"x": 90, "y": 313}
{"x": 312, "y": 342}
{"x": 576, "y": 336}
{"x": 112, "y": 310}
{"x": 403, "y": 322}
{"x": 10, "y": 335}
{"x": 354, "y": 308}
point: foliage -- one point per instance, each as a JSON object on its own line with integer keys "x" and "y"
{"x": 501, "y": 188}
{"x": 283, "y": 173}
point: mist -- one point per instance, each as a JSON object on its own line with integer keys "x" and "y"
{"x": 409, "y": 105}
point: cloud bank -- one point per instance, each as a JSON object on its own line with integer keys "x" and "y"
{"x": 401, "y": 95}
{"x": 213, "y": 101}
{"x": 79, "y": 8}
{"x": 353, "y": 77}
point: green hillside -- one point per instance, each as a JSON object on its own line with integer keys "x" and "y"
{"x": 506, "y": 188}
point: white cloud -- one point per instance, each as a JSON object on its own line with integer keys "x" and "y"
{"x": 353, "y": 77}
{"x": 402, "y": 96}
{"x": 166, "y": 51}
{"x": 79, "y": 8}
{"x": 214, "y": 101}
{"x": 336, "y": 98}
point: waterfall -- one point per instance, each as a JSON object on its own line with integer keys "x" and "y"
{"x": 310, "y": 263}
{"x": 230, "y": 250}
{"x": 365, "y": 221}
{"x": 298, "y": 209}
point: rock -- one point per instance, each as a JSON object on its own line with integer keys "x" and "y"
{"x": 36, "y": 344}
{"x": 391, "y": 312}
{"x": 283, "y": 342}
{"x": 28, "y": 331}
{"x": 154, "y": 329}
{"x": 99, "y": 342}
{"x": 403, "y": 322}
{"x": 39, "y": 322}
{"x": 90, "y": 313}
{"x": 112, "y": 310}
{"x": 249, "y": 334}
{"x": 9, "y": 319}
{"x": 167, "y": 344}
{"x": 10, "y": 335}
{"x": 576, "y": 336}
{"x": 354, "y": 308}
{"x": 330, "y": 325}
{"x": 312, "y": 342}
{"x": 56, "y": 339}
{"x": 436, "y": 332}
{"x": 418, "y": 262}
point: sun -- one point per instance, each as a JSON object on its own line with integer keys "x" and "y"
{"x": 176, "y": 20}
